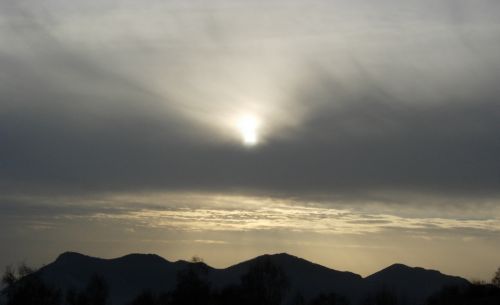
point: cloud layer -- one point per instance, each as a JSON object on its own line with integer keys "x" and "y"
{"x": 379, "y": 130}
{"x": 227, "y": 228}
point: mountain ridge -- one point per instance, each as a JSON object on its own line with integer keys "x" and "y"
{"x": 131, "y": 274}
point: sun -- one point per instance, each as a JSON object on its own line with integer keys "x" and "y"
{"x": 248, "y": 127}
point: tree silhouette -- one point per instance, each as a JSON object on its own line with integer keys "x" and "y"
{"x": 496, "y": 278}
{"x": 265, "y": 283}
{"x": 382, "y": 297}
{"x": 473, "y": 294}
{"x": 196, "y": 259}
{"x": 191, "y": 288}
{"x": 329, "y": 299}
{"x": 229, "y": 295}
{"x": 145, "y": 298}
{"x": 96, "y": 293}
{"x": 72, "y": 297}
{"x": 24, "y": 287}
{"x": 9, "y": 277}
{"x": 298, "y": 299}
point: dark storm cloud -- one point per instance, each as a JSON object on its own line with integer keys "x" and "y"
{"x": 68, "y": 124}
{"x": 373, "y": 143}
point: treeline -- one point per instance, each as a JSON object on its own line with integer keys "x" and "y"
{"x": 473, "y": 294}
{"x": 263, "y": 284}
{"x": 25, "y": 287}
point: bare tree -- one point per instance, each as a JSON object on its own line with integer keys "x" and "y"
{"x": 24, "y": 287}
{"x": 265, "y": 283}
{"x": 9, "y": 277}
{"x": 192, "y": 287}
{"x": 196, "y": 259}
{"x": 496, "y": 278}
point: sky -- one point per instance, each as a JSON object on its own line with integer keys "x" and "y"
{"x": 354, "y": 134}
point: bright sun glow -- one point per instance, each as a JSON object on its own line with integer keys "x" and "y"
{"x": 248, "y": 127}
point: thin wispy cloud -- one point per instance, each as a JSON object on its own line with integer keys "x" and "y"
{"x": 236, "y": 213}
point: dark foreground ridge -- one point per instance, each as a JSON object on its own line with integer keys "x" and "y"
{"x": 288, "y": 279}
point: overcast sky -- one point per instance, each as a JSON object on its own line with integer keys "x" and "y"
{"x": 374, "y": 131}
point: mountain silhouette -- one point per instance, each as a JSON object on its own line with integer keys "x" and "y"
{"x": 307, "y": 278}
{"x": 413, "y": 285}
{"x": 126, "y": 276}
{"x": 129, "y": 275}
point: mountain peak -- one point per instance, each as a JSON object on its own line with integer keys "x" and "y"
{"x": 402, "y": 268}
{"x": 141, "y": 257}
{"x": 282, "y": 255}
{"x": 398, "y": 267}
{"x": 70, "y": 256}
{"x": 415, "y": 283}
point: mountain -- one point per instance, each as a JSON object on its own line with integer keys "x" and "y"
{"x": 305, "y": 277}
{"x": 412, "y": 284}
{"x": 126, "y": 276}
{"x": 129, "y": 275}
